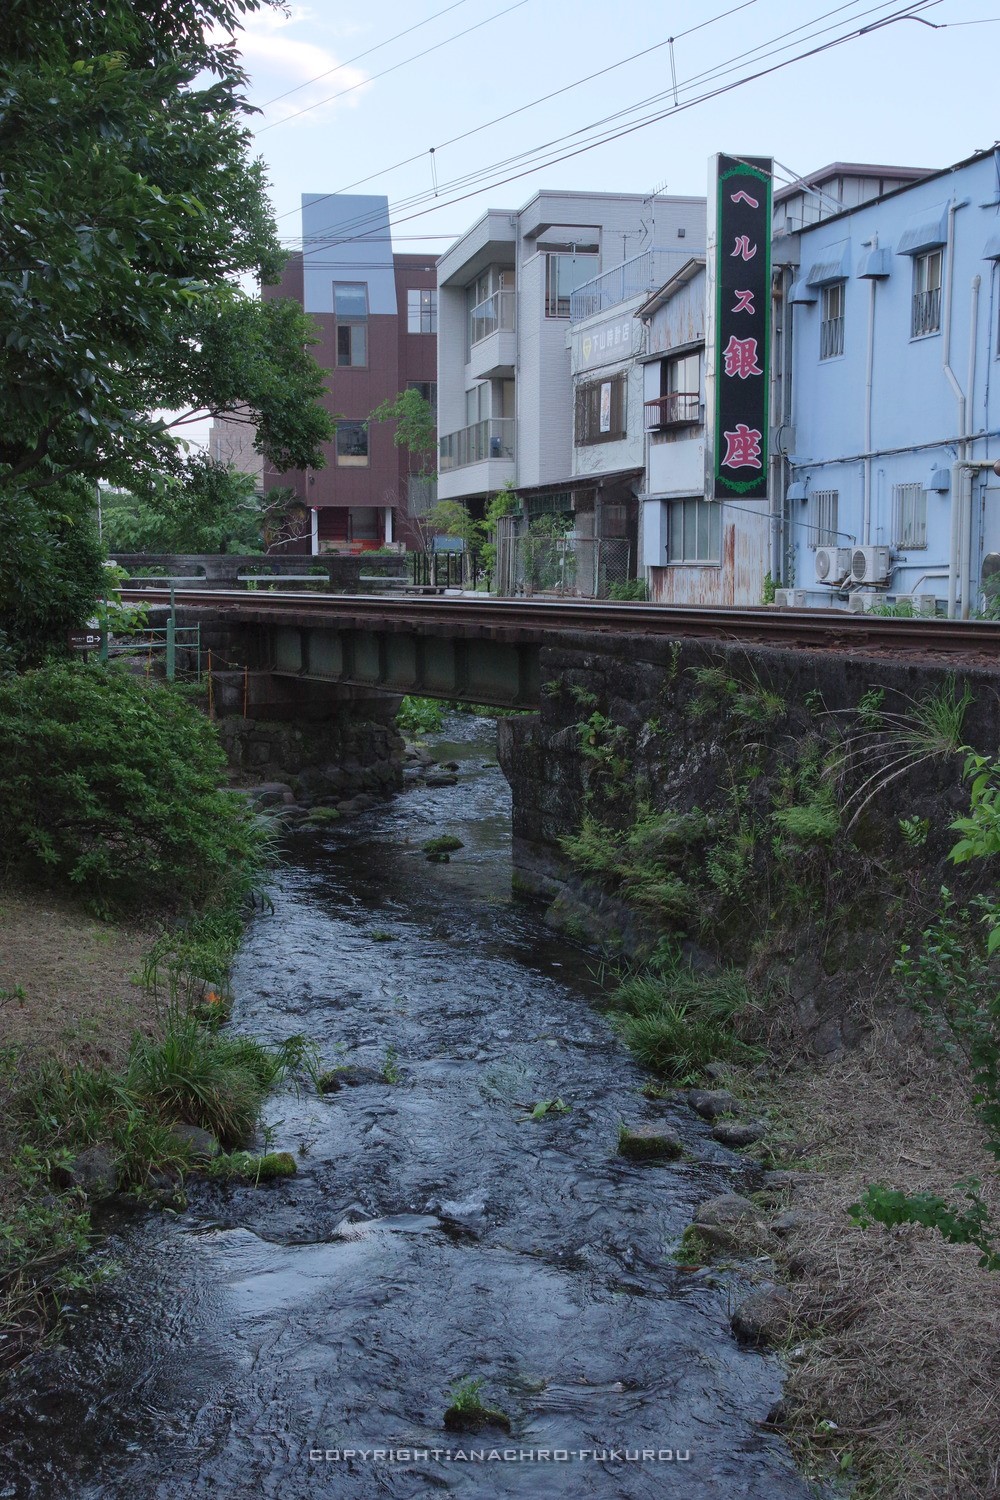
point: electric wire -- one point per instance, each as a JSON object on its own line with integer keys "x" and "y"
{"x": 395, "y": 68}
{"x": 548, "y": 153}
{"x": 359, "y": 55}
{"x": 533, "y": 103}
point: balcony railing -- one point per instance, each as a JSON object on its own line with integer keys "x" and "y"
{"x": 492, "y": 438}
{"x": 679, "y": 409}
{"x": 643, "y": 273}
{"x": 492, "y": 313}
{"x": 926, "y": 312}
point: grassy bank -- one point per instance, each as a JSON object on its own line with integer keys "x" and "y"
{"x": 892, "y": 1342}
{"x": 128, "y": 875}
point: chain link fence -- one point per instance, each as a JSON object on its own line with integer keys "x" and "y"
{"x": 572, "y": 567}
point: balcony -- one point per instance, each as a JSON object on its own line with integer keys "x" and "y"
{"x": 679, "y": 409}
{"x": 644, "y": 273}
{"x": 490, "y": 439}
{"x": 491, "y": 337}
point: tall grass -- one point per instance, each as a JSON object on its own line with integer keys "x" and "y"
{"x": 676, "y": 1021}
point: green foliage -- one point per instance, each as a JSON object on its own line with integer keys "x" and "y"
{"x": 980, "y": 828}
{"x": 957, "y": 1225}
{"x": 445, "y": 843}
{"x": 546, "y": 1107}
{"x": 52, "y": 574}
{"x": 870, "y": 708}
{"x": 720, "y": 694}
{"x": 420, "y": 716}
{"x": 214, "y": 1081}
{"x": 130, "y": 211}
{"x": 635, "y": 590}
{"x": 391, "y": 1071}
{"x": 209, "y": 507}
{"x": 896, "y": 743}
{"x": 504, "y": 503}
{"x": 677, "y": 1021}
{"x": 643, "y": 860}
{"x": 601, "y": 739}
{"x": 465, "y": 1397}
{"x": 452, "y": 518}
{"x": 915, "y": 831}
{"x": 814, "y": 822}
{"x": 245, "y": 1166}
{"x": 110, "y": 784}
{"x": 416, "y": 429}
{"x": 769, "y": 589}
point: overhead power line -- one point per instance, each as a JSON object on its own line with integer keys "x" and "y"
{"x": 908, "y": 13}
{"x": 395, "y": 67}
{"x": 548, "y": 153}
{"x": 359, "y": 55}
{"x": 533, "y": 103}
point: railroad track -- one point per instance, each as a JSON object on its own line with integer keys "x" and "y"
{"x": 810, "y": 629}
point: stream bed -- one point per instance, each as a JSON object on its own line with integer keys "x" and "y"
{"x": 302, "y": 1339}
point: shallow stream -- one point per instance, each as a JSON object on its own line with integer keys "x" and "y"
{"x": 433, "y": 1231}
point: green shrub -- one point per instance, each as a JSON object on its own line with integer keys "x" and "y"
{"x": 109, "y": 784}
{"x": 420, "y": 716}
{"x": 217, "y": 1082}
{"x": 677, "y": 1021}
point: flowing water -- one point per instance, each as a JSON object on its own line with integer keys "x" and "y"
{"x": 433, "y": 1231}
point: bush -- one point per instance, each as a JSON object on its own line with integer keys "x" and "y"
{"x": 110, "y": 784}
{"x": 420, "y": 716}
{"x": 52, "y": 575}
{"x": 676, "y": 1021}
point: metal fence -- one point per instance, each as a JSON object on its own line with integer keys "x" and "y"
{"x": 577, "y": 567}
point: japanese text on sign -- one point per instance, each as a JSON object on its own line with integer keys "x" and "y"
{"x": 742, "y": 326}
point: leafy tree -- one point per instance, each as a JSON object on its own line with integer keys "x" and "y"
{"x": 211, "y": 508}
{"x": 416, "y": 429}
{"x": 452, "y": 518}
{"x": 52, "y": 573}
{"x": 128, "y": 810}
{"x": 129, "y": 210}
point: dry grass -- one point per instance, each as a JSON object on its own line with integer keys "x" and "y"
{"x": 899, "y": 1332}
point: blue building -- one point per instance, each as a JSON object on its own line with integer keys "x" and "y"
{"x": 892, "y": 423}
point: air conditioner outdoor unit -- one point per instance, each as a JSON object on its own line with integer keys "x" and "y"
{"x": 832, "y": 564}
{"x": 869, "y": 564}
{"x": 921, "y": 604}
{"x": 861, "y": 602}
{"x": 790, "y": 598}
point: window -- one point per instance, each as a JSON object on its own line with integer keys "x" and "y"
{"x": 366, "y": 524}
{"x": 926, "y": 293}
{"x": 428, "y": 389}
{"x": 350, "y": 306}
{"x": 566, "y": 268}
{"x": 831, "y": 329}
{"x": 679, "y": 401}
{"x": 600, "y": 411}
{"x": 909, "y": 507}
{"x": 823, "y": 505}
{"x": 352, "y": 444}
{"x": 421, "y": 311}
{"x": 694, "y": 531}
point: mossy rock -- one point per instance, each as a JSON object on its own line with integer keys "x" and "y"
{"x": 322, "y": 815}
{"x": 649, "y": 1143}
{"x": 244, "y": 1166}
{"x": 475, "y": 1420}
{"x": 446, "y": 843}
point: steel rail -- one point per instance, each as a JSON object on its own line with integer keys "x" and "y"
{"x": 814, "y": 629}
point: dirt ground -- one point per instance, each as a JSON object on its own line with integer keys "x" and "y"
{"x": 898, "y": 1333}
{"x": 78, "y": 977}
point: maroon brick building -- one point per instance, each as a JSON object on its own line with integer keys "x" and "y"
{"x": 376, "y": 318}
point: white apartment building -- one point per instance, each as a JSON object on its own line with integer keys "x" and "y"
{"x": 506, "y": 293}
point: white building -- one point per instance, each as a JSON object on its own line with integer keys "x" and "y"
{"x": 505, "y": 294}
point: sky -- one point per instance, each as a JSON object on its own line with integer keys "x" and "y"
{"x": 906, "y": 93}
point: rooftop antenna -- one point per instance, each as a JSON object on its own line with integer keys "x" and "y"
{"x": 652, "y": 210}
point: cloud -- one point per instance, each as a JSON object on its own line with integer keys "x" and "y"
{"x": 278, "y": 61}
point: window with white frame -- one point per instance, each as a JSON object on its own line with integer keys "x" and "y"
{"x": 909, "y": 509}
{"x": 926, "y": 316}
{"x": 831, "y": 328}
{"x": 694, "y": 531}
{"x": 823, "y": 506}
{"x": 566, "y": 268}
{"x": 421, "y": 311}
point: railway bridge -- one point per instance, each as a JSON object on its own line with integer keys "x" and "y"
{"x": 490, "y": 651}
